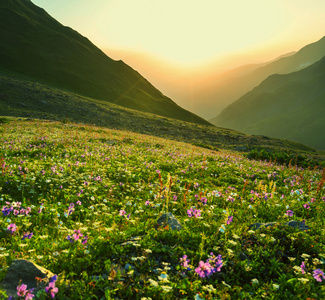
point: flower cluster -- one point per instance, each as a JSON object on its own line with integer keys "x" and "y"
{"x": 51, "y": 289}
{"x": 212, "y": 265}
{"x": 193, "y": 212}
{"x": 12, "y": 227}
{"x": 27, "y": 235}
{"x": 77, "y": 236}
{"x": 23, "y": 292}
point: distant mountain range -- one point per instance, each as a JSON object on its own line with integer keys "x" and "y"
{"x": 228, "y": 87}
{"x": 288, "y": 106}
{"x": 34, "y": 46}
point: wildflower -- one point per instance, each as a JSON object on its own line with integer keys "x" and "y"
{"x": 29, "y": 295}
{"x": 306, "y": 205}
{"x": 289, "y": 213}
{"x": 184, "y": 261}
{"x": 21, "y": 290}
{"x": 12, "y": 227}
{"x": 122, "y": 212}
{"x": 194, "y": 212}
{"x": 255, "y": 281}
{"x": 153, "y": 282}
{"x": 318, "y": 274}
{"x": 229, "y": 220}
{"x": 204, "y": 269}
{"x": 51, "y": 289}
{"x": 303, "y": 267}
{"x": 27, "y": 235}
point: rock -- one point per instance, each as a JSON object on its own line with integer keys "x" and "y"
{"x": 300, "y": 225}
{"x": 170, "y": 220}
{"x": 24, "y": 271}
{"x": 256, "y": 226}
{"x": 293, "y": 224}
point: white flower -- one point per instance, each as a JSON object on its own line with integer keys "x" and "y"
{"x": 255, "y": 281}
{"x": 153, "y": 282}
{"x": 276, "y": 286}
{"x": 166, "y": 288}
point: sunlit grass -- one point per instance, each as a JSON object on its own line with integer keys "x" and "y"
{"x": 112, "y": 186}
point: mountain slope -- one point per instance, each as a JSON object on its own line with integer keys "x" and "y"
{"x": 37, "y": 47}
{"x": 223, "y": 91}
{"x": 290, "y": 106}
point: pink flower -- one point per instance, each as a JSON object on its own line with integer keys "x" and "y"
{"x": 21, "y": 290}
{"x": 204, "y": 269}
{"x": 318, "y": 275}
{"x": 289, "y": 213}
{"x": 12, "y": 227}
{"x": 51, "y": 289}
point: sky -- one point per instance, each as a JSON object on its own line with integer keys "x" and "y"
{"x": 189, "y": 33}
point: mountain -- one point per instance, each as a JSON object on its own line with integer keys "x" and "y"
{"x": 218, "y": 92}
{"x": 35, "y": 46}
{"x": 287, "y": 106}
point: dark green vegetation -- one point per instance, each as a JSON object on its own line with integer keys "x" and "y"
{"x": 35, "y": 46}
{"x": 228, "y": 87}
{"x": 113, "y": 185}
{"x": 290, "y": 106}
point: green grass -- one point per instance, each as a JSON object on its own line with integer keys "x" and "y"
{"x": 51, "y": 166}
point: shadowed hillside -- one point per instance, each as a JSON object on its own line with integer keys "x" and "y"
{"x": 290, "y": 106}
{"x": 36, "y": 46}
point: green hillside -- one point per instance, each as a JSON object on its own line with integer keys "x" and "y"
{"x": 290, "y": 106}
{"x": 36, "y": 46}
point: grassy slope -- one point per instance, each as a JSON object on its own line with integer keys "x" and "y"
{"x": 84, "y": 177}
{"x": 285, "y": 106}
{"x": 35, "y": 45}
{"x": 22, "y": 98}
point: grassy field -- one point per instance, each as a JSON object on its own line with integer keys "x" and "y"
{"x": 91, "y": 198}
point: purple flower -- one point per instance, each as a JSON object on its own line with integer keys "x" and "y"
{"x": 318, "y": 275}
{"x": 122, "y": 212}
{"x": 204, "y": 269}
{"x": 194, "y": 212}
{"x": 303, "y": 267}
{"x": 147, "y": 203}
{"x": 53, "y": 278}
{"x": 85, "y": 240}
{"x": 217, "y": 260}
{"x": 6, "y": 210}
{"x": 12, "y": 227}
{"x": 184, "y": 261}
{"x": 51, "y": 289}
{"x": 289, "y": 213}
{"x": 27, "y": 235}
{"x": 229, "y": 220}
{"x": 306, "y": 205}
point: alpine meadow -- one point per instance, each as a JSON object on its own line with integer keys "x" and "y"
{"x": 111, "y": 190}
